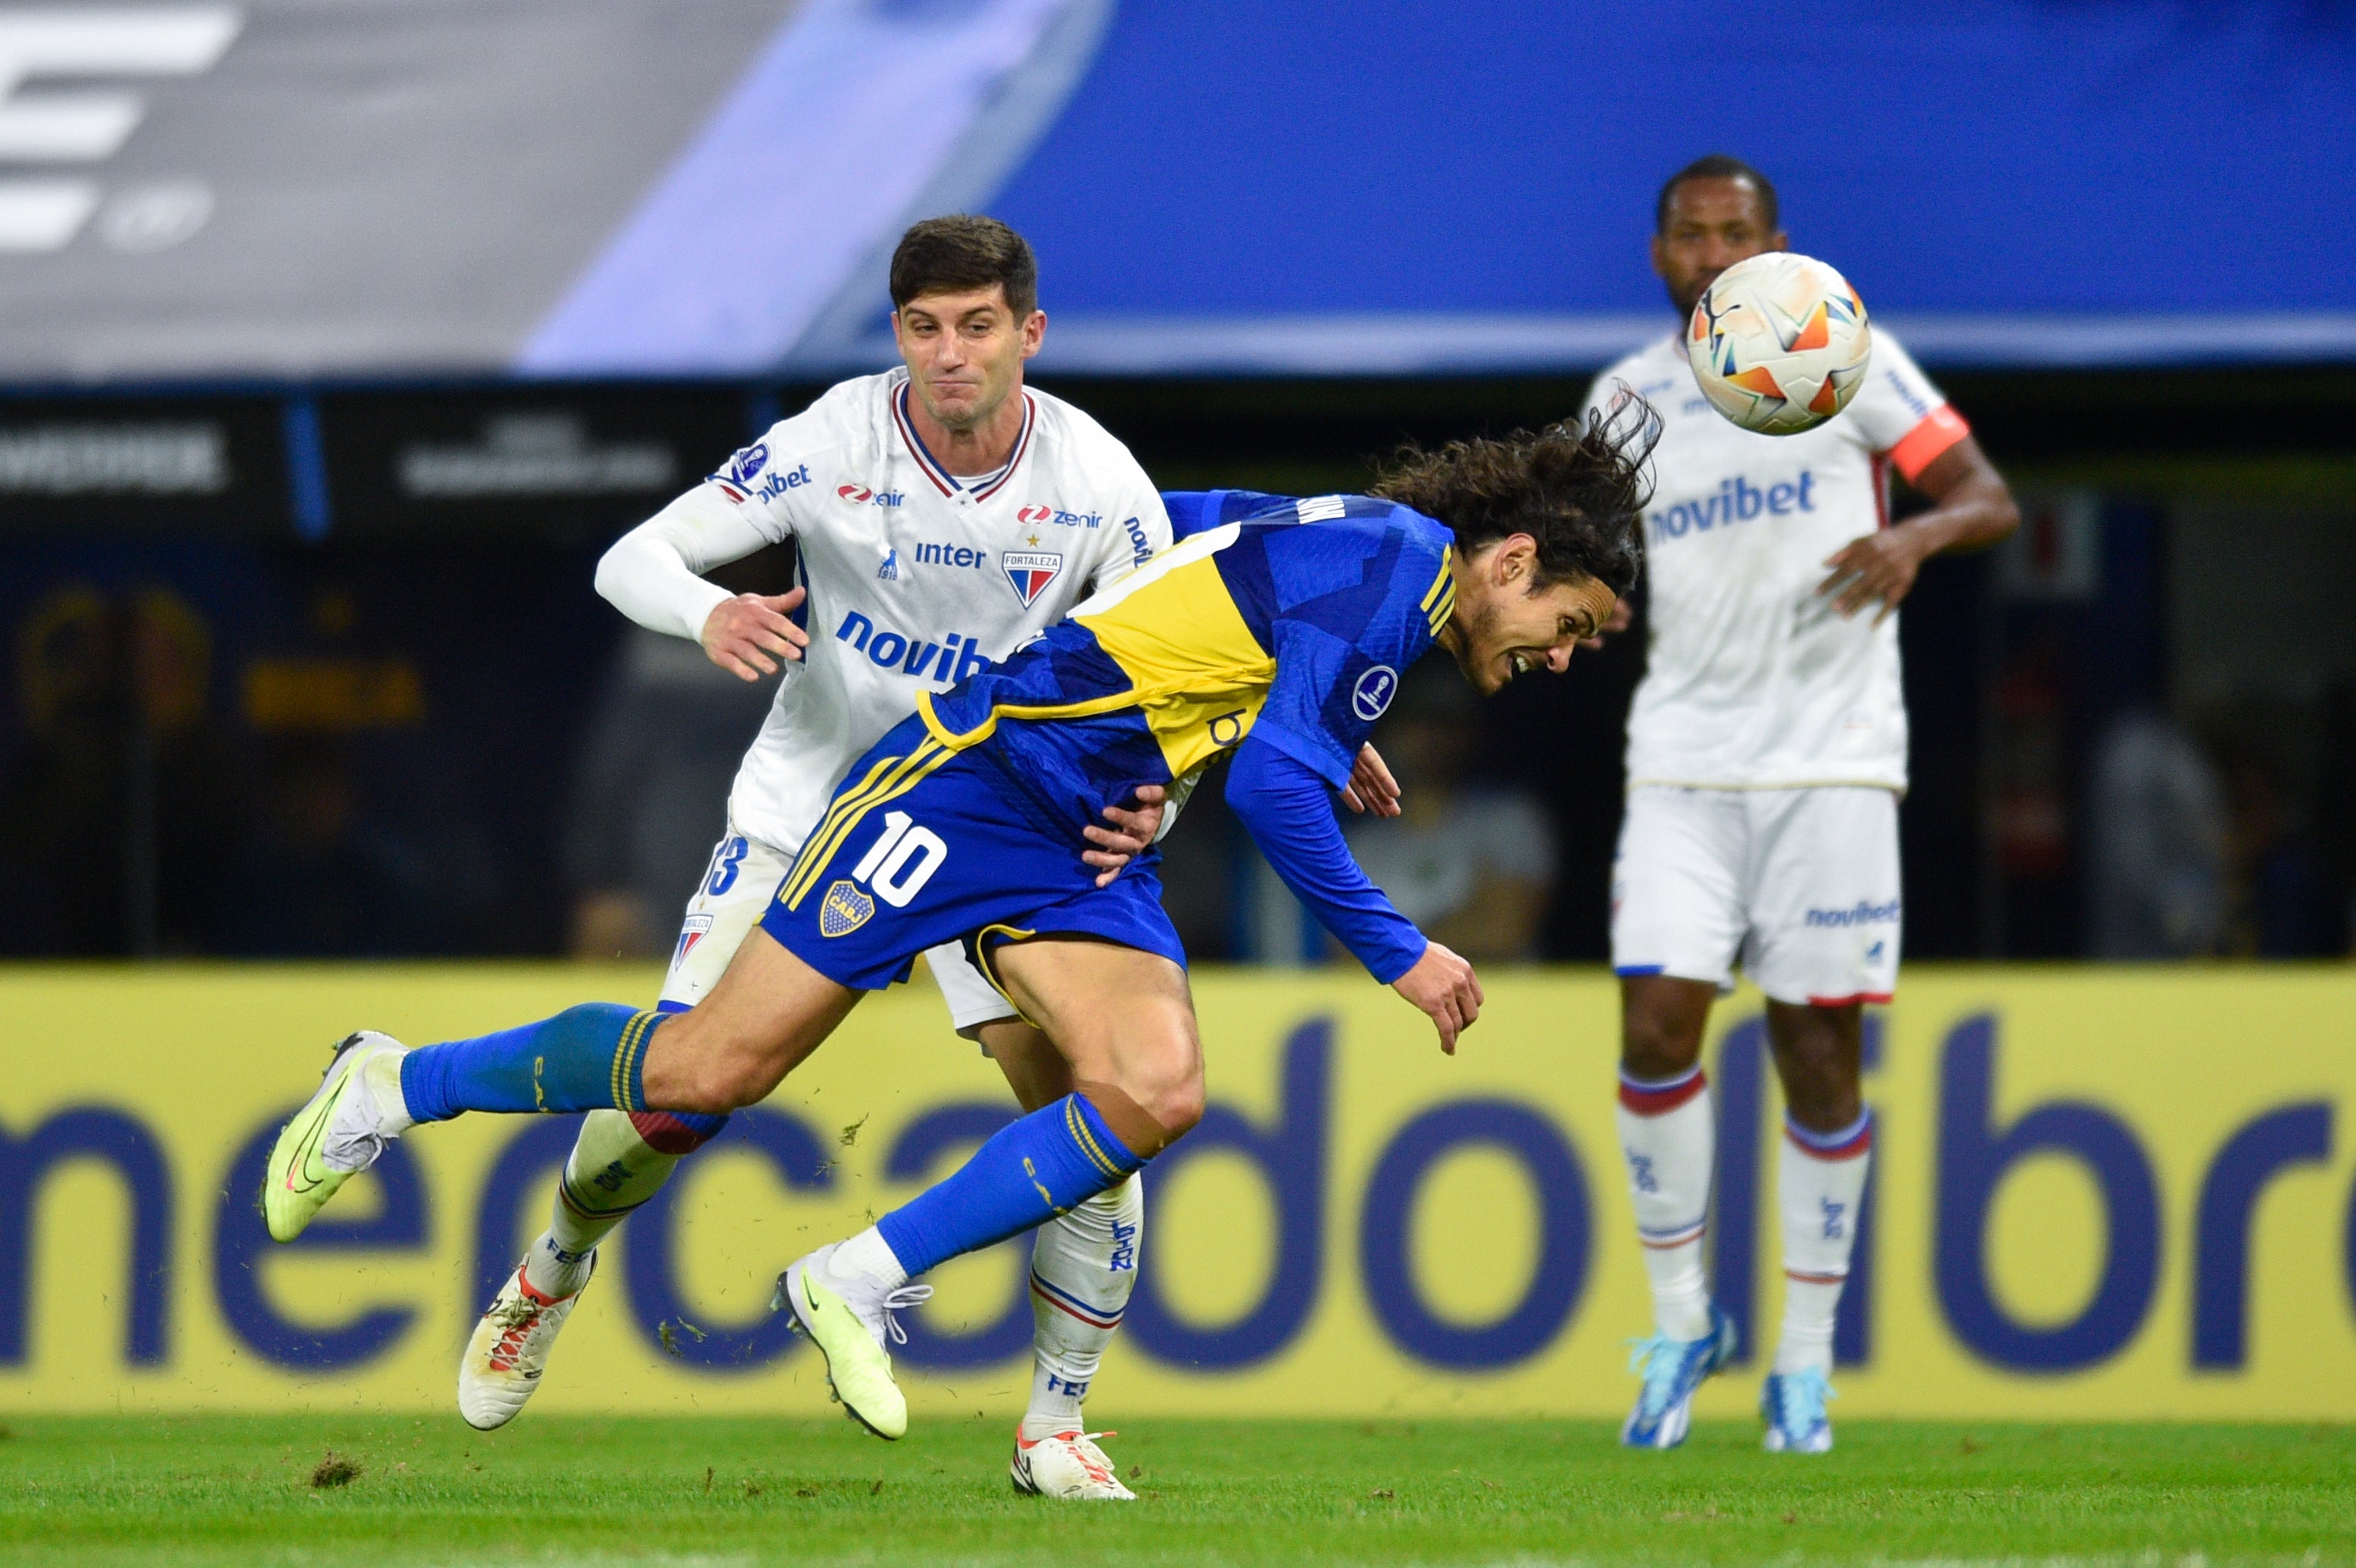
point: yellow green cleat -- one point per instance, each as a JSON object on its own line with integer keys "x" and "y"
{"x": 300, "y": 1177}
{"x": 848, "y": 1317}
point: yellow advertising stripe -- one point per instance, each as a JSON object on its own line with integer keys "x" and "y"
{"x": 922, "y": 763}
{"x": 828, "y": 837}
{"x": 1437, "y": 583}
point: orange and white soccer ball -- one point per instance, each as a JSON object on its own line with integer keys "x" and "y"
{"x": 1778, "y": 343}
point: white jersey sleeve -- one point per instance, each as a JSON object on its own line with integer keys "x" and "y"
{"x": 1900, "y": 414}
{"x": 654, "y": 573}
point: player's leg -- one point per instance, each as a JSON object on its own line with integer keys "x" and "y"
{"x": 1083, "y": 1269}
{"x": 1123, "y": 1018}
{"x": 1829, "y": 940}
{"x": 619, "y": 1159}
{"x": 1676, "y": 925}
{"x": 1083, "y": 1262}
{"x": 768, "y": 1012}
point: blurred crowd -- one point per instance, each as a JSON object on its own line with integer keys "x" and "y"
{"x": 238, "y": 754}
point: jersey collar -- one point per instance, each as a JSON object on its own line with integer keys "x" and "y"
{"x": 973, "y": 487}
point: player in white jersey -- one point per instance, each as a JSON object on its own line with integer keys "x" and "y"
{"x": 943, "y": 514}
{"x": 1766, "y": 753}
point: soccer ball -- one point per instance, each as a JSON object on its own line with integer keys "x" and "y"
{"x": 1778, "y": 343}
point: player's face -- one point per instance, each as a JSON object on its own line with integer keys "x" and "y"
{"x": 1502, "y": 627}
{"x": 1712, "y": 224}
{"x": 964, "y": 352}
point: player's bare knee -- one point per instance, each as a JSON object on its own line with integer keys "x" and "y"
{"x": 1652, "y": 1046}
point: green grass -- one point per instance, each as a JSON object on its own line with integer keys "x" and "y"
{"x": 228, "y": 1489}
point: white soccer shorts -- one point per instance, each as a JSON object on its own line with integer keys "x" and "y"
{"x": 1799, "y": 886}
{"x": 736, "y": 891}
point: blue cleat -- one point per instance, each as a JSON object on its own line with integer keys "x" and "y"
{"x": 1671, "y": 1370}
{"x": 1792, "y": 1405}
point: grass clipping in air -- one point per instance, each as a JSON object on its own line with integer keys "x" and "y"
{"x": 403, "y": 1489}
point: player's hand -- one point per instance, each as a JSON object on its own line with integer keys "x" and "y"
{"x": 1371, "y": 786}
{"x": 740, "y": 634}
{"x": 1622, "y": 615}
{"x": 1447, "y": 990}
{"x": 1878, "y": 566}
{"x": 1131, "y": 835}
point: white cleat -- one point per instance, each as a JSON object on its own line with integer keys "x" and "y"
{"x": 508, "y": 1350}
{"x": 1067, "y": 1465}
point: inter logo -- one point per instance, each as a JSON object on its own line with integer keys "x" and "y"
{"x": 843, "y": 910}
{"x": 1030, "y": 571}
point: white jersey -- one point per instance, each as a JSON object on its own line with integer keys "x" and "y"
{"x": 1752, "y": 679}
{"x": 916, "y": 579}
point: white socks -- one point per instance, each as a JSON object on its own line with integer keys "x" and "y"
{"x": 372, "y": 1115}
{"x": 1670, "y": 1140}
{"x": 1821, "y": 1179}
{"x": 612, "y": 1171}
{"x": 869, "y": 1256}
{"x": 1083, "y": 1267}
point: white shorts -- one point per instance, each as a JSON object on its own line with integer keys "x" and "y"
{"x": 1799, "y": 886}
{"x": 736, "y": 891}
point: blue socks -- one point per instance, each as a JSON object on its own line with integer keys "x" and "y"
{"x": 1054, "y": 1159}
{"x": 589, "y": 1057}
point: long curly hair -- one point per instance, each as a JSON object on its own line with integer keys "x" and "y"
{"x": 1579, "y": 488}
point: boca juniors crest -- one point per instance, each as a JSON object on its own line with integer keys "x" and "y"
{"x": 1030, "y": 571}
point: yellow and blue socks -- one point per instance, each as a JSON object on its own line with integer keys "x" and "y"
{"x": 590, "y": 1057}
{"x": 1030, "y": 1171}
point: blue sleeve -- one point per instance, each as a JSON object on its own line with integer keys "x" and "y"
{"x": 1191, "y": 511}
{"x": 1289, "y": 811}
{"x": 1339, "y": 655}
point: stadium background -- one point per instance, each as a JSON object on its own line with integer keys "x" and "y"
{"x": 341, "y": 341}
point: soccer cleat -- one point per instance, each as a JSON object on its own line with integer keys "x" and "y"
{"x": 508, "y": 1350}
{"x": 1792, "y": 1405}
{"x": 335, "y": 1135}
{"x": 1067, "y": 1465}
{"x": 849, "y": 1318}
{"x": 1673, "y": 1370}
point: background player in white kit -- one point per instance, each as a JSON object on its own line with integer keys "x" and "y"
{"x": 1766, "y": 753}
{"x": 943, "y": 514}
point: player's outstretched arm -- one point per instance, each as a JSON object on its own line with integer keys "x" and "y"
{"x": 1445, "y": 987}
{"x": 650, "y": 573}
{"x": 1973, "y": 509}
{"x": 1288, "y": 809}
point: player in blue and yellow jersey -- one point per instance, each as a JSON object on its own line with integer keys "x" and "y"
{"x": 1276, "y": 630}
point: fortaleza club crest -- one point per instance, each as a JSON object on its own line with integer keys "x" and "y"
{"x": 698, "y": 927}
{"x": 1030, "y": 571}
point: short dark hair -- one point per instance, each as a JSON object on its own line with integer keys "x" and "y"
{"x": 961, "y": 251}
{"x": 1719, "y": 165}
{"x": 1579, "y": 488}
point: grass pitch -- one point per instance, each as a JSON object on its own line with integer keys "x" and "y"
{"x": 402, "y": 1491}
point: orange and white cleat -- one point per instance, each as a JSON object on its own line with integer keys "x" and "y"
{"x": 509, "y": 1349}
{"x": 1066, "y": 1464}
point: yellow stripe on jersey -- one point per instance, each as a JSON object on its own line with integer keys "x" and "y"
{"x": 1195, "y": 671}
{"x": 1443, "y": 610}
{"x": 847, "y": 812}
{"x": 1437, "y": 584}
